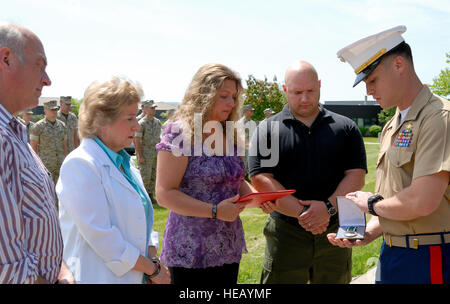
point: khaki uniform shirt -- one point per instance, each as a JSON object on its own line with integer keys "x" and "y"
{"x": 419, "y": 146}
{"x": 71, "y": 123}
{"x": 50, "y": 138}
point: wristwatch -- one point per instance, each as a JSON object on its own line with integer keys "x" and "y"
{"x": 155, "y": 260}
{"x": 371, "y": 203}
{"x": 331, "y": 209}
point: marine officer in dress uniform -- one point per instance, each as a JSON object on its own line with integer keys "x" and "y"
{"x": 49, "y": 139}
{"x": 144, "y": 142}
{"x": 411, "y": 207}
{"x": 71, "y": 122}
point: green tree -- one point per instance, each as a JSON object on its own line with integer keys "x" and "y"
{"x": 263, "y": 94}
{"x": 385, "y": 115}
{"x": 441, "y": 83}
{"x": 163, "y": 117}
{"x": 76, "y": 106}
{"x": 374, "y": 130}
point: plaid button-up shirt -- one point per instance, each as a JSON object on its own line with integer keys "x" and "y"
{"x": 30, "y": 236}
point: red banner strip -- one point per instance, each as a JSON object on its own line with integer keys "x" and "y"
{"x": 436, "y": 265}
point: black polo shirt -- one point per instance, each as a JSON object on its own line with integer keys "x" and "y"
{"x": 311, "y": 160}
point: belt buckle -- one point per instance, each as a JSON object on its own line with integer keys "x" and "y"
{"x": 388, "y": 239}
{"x": 415, "y": 244}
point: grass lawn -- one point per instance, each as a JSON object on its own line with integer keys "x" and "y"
{"x": 254, "y": 220}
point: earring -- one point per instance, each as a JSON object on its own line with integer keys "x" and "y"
{"x": 103, "y": 135}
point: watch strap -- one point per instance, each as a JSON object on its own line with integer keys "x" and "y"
{"x": 371, "y": 201}
{"x": 330, "y": 207}
{"x": 158, "y": 267}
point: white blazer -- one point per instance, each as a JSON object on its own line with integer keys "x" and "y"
{"x": 102, "y": 218}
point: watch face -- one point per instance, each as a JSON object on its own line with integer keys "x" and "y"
{"x": 332, "y": 211}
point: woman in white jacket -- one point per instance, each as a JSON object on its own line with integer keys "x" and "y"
{"x": 106, "y": 215}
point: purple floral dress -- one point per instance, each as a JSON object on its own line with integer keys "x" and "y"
{"x": 194, "y": 242}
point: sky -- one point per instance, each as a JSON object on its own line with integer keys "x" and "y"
{"x": 161, "y": 44}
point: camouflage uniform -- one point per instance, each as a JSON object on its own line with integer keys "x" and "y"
{"x": 247, "y": 124}
{"x": 50, "y": 137}
{"x": 269, "y": 111}
{"x": 29, "y": 126}
{"x": 150, "y": 132}
{"x": 71, "y": 123}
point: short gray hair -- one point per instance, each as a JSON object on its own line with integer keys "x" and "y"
{"x": 12, "y": 37}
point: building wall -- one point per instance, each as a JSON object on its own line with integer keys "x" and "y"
{"x": 363, "y": 115}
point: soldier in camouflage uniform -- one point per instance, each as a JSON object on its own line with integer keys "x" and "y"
{"x": 71, "y": 122}
{"x": 142, "y": 114}
{"x": 269, "y": 112}
{"x": 26, "y": 120}
{"x": 48, "y": 139}
{"x": 145, "y": 140}
{"x": 249, "y": 127}
{"x": 169, "y": 116}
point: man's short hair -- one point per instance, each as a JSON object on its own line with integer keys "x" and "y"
{"x": 12, "y": 38}
{"x": 404, "y": 50}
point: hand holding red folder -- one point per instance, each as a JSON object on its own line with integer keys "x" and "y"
{"x": 257, "y": 198}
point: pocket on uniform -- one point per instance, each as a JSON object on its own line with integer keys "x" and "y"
{"x": 399, "y": 156}
{"x": 380, "y": 158}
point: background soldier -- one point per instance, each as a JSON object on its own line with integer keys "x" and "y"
{"x": 169, "y": 116}
{"x": 269, "y": 112}
{"x": 144, "y": 142}
{"x": 71, "y": 122}
{"x": 26, "y": 117}
{"x": 250, "y": 127}
{"x": 142, "y": 114}
{"x": 48, "y": 139}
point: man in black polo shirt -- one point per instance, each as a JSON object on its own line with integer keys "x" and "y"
{"x": 321, "y": 155}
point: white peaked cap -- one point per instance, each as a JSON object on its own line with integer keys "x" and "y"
{"x": 365, "y": 54}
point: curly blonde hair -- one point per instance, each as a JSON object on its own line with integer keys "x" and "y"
{"x": 199, "y": 97}
{"x": 103, "y": 102}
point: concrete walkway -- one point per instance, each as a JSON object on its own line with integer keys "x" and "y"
{"x": 367, "y": 278}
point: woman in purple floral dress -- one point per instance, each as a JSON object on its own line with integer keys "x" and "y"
{"x": 200, "y": 175}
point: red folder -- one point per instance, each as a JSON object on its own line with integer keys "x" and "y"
{"x": 262, "y": 197}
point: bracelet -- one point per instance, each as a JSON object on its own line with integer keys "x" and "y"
{"x": 214, "y": 211}
{"x": 158, "y": 267}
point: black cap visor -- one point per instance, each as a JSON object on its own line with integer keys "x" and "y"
{"x": 364, "y": 73}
